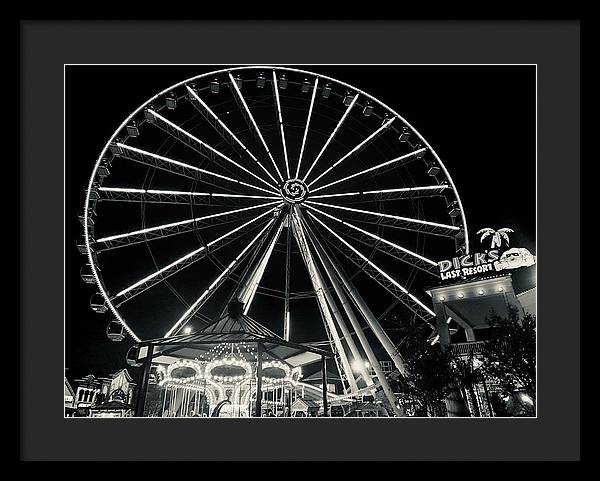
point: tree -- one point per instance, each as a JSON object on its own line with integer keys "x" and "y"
{"x": 469, "y": 372}
{"x": 497, "y": 236}
{"x": 509, "y": 356}
{"x": 429, "y": 376}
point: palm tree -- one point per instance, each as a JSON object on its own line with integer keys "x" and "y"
{"x": 497, "y": 235}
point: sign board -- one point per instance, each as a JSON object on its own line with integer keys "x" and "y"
{"x": 489, "y": 261}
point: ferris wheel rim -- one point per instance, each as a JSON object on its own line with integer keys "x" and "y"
{"x": 229, "y": 70}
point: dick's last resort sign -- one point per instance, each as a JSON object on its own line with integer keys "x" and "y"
{"x": 493, "y": 260}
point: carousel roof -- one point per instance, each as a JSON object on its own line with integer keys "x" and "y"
{"x": 234, "y": 327}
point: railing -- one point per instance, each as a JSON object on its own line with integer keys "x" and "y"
{"x": 465, "y": 348}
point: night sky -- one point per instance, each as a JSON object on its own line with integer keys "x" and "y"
{"x": 479, "y": 119}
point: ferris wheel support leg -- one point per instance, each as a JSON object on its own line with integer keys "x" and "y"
{"x": 371, "y": 320}
{"x": 387, "y": 390}
{"x": 319, "y": 287}
{"x": 337, "y": 314}
{"x": 246, "y": 294}
{"x": 259, "y": 375}
{"x": 141, "y": 400}
{"x": 324, "y": 385}
{"x": 286, "y": 310}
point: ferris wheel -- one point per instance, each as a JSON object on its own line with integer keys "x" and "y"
{"x": 213, "y": 175}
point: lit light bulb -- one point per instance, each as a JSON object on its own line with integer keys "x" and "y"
{"x": 461, "y": 295}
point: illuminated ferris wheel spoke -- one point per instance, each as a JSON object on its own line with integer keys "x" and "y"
{"x": 409, "y": 223}
{"x": 371, "y": 169}
{"x": 180, "y": 168}
{"x": 240, "y": 97}
{"x": 391, "y": 194}
{"x": 206, "y": 108}
{"x": 331, "y": 136}
{"x": 280, "y": 120}
{"x": 356, "y": 149}
{"x": 183, "y": 262}
{"x": 425, "y": 312}
{"x": 161, "y": 196}
{"x": 216, "y": 283}
{"x": 198, "y": 145}
{"x": 431, "y": 266}
{"x": 310, "y": 109}
{"x": 173, "y": 227}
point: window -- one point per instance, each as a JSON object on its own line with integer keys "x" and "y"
{"x": 386, "y": 366}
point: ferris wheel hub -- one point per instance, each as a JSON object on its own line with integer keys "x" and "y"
{"x": 294, "y": 191}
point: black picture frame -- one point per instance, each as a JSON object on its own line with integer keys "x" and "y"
{"x": 48, "y": 45}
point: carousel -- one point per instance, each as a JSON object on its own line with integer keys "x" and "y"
{"x": 218, "y": 371}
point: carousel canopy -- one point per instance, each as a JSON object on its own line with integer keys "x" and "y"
{"x": 232, "y": 328}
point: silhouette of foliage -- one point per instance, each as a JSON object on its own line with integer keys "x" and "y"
{"x": 510, "y": 357}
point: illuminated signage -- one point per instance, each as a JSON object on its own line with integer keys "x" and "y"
{"x": 490, "y": 261}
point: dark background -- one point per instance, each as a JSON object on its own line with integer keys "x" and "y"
{"x": 479, "y": 119}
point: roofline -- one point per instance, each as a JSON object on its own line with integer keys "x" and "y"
{"x": 278, "y": 341}
{"x": 466, "y": 281}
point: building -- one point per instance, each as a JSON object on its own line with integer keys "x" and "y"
{"x": 527, "y": 299}
{"x": 115, "y": 407}
{"x": 463, "y": 311}
{"x": 69, "y": 399}
{"x": 468, "y": 305}
{"x": 91, "y": 393}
